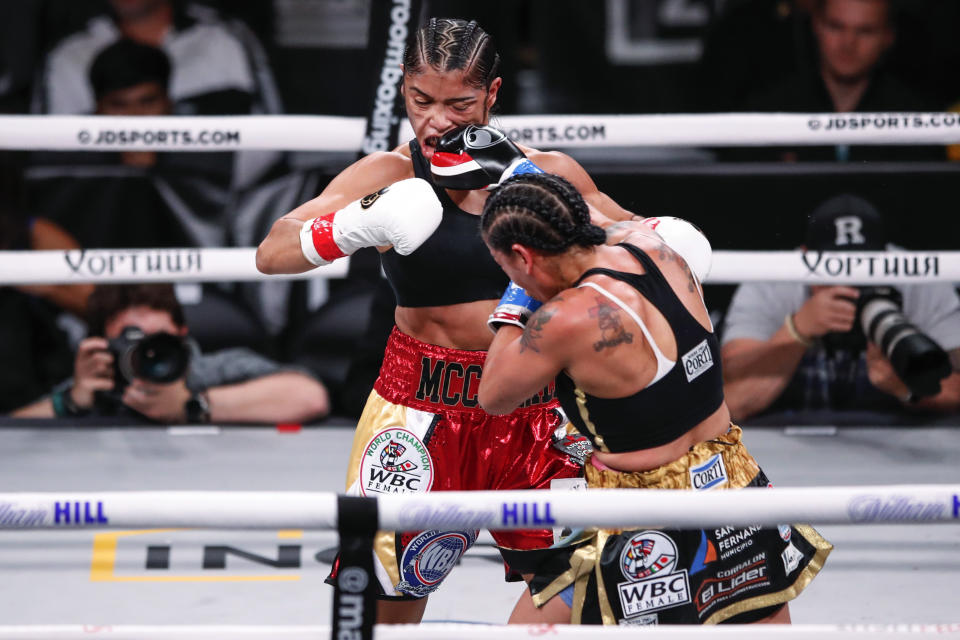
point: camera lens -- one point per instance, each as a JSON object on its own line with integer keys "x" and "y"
{"x": 160, "y": 357}
{"x": 919, "y": 361}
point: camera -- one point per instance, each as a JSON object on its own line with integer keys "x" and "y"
{"x": 919, "y": 361}
{"x": 156, "y": 357}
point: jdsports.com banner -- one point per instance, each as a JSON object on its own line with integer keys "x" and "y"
{"x": 383, "y": 130}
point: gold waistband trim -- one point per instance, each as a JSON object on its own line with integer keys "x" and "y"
{"x": 740, "y": 466}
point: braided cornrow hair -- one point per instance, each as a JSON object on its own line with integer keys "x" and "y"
{"x": 541, "y": 211}
{"x": 451, "y": 44}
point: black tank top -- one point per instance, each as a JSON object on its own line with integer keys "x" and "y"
{"x": 662, "y": 412}
{"x": 453, "y": 266}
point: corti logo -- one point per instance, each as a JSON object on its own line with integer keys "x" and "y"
{"x": 710, "y": 474}
{"x": 697, "y": 360}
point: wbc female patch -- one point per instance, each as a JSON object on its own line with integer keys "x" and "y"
{"x": 395, "y": 461}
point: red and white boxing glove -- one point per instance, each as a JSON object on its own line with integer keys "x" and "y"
{"x": 516, "y": 306}
{"x": 686, "y": 240}
{"x": 402, "y": 215}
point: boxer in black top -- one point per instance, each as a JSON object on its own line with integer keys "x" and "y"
{"x": 624, "y": 331}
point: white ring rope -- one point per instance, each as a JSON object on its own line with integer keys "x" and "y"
{"x": 238, "y": 264}
{"x": 187, "y": 264}
{"x": 333, "y": 133}
{"x": 496, "y": 510}
{"x": 430, "y": 631}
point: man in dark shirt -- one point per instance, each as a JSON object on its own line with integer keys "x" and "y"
{"x": 853, "y": 38}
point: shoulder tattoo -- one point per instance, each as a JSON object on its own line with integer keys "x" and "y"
{"x": 612, "y": 331}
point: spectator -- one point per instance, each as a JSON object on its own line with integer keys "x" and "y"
{"x": 233, "y": 385}
{"x": 793, "y": 347}
{"x": 852, "y": 40}
{"x": 132, "y": 79}
{"x": 20, "y": 231}
{"x": 218, "y": 66}
{"x": 180, "y": 197}
{"x": 34, "y": 349}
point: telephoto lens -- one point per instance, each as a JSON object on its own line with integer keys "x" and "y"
{"x": 919, "y": 361}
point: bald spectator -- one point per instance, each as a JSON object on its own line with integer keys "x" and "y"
{"x": 853, "y": 38}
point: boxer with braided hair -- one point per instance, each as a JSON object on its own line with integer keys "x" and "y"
{"x": 543, "y": 211}
{"x": 625, "y": 335}
{"x": 422, "y": 428}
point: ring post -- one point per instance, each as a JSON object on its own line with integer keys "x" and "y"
{"x": 355, "y": 588}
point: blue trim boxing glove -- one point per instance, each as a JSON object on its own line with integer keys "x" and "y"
{"x": 516, "y": 306}
{"x": 477, "y": 157}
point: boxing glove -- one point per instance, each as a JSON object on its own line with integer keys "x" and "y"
{"x": 515, "y": 307}
{"x": 686, "y": 240}
{"x": 402, "y": 215}
{"x": 477, "y": 157}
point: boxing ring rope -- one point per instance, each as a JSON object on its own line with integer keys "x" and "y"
{"x": 916, "y": 504}
{"x": 498, "y": 510}
{"x": 919, "y": 504}
{"x": 477, "y": 632}
{"x": 333, "y": 133}
{"x": 238, "y": 264}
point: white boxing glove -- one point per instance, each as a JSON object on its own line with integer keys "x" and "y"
{"x": 686, "y": 240}
{"x": 402, "y": 215}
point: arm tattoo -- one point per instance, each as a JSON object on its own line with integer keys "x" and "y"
{"x": 612, "y": 331}
{"x": 666, "y": 253}
{"x": 534, "y": 329}
{"x": 617, "y": 228}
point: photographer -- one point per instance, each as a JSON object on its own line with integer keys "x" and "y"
{"x": 139, "y": 361}
{"x": 792, "y": 347}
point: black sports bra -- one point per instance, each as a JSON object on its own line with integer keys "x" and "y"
{"x": 687, "y": 393}
{"x": 453, "y": 266}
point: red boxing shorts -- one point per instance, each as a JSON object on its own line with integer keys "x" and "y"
{"x": 422, "y": 429}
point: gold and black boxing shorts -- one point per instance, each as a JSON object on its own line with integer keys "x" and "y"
{"x": 672, "y": 576}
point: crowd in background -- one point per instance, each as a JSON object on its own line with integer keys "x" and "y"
{"x": 174, "y": 57}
